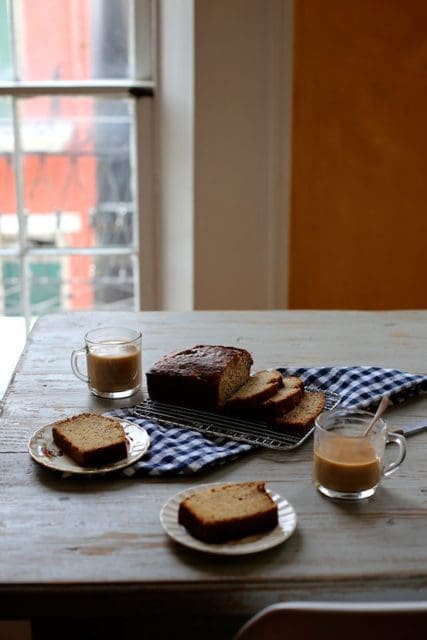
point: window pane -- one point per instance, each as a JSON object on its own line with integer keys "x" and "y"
{"x": 8, "y": 215}
{"x": 6, "y": 68}
{"x": 81, "y": 282}
{"x": 68, "y": 282}
{"x": 78, "y": 173}
{"x": 82, "y": 39}
{"x": 10, "y": 287}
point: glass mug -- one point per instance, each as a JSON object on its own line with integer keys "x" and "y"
{"x": 113, "y": 362}
{"x": 346, "y": 463}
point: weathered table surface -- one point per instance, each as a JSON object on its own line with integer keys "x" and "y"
{"x": 76, "y": 544}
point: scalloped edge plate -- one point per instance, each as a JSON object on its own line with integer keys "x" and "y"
{"x": 43, "y": 450}
{"x": 250, "y": 544}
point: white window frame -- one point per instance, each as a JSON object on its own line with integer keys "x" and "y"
{"x": 142, "y": 44}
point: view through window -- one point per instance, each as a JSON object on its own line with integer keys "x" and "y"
{"x": 69, "y": 86}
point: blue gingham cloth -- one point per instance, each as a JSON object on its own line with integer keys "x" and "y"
{"x": 178, "y": 451}
{"x": 362, "y": 387}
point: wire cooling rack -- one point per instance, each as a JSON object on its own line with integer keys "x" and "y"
{"x": 255, "y": 432}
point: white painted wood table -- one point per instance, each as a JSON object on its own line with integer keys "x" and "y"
{"x": 95, "y": 546}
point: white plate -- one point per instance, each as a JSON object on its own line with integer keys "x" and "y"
{"x": 43, "y": 450}
{"x": 250, "y": 544}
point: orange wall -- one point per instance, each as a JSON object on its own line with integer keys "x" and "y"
{"x": 359, "y": 183}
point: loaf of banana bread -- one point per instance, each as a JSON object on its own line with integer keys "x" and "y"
{"x": 204, "y": 376}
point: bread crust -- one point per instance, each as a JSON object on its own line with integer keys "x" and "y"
{"x": 202, "y": 376}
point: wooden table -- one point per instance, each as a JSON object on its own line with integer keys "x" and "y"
{"x": 94, "y": 546}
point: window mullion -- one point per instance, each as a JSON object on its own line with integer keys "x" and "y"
{"x": 11, "y": 9}
{"x": 22, "y": 230}
{"x": 81, "y": 251}
{"x": 116, "y": 88}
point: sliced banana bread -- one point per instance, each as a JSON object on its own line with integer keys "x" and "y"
{"x": 91, "y": 440}
{"x": 258, "y": 388}
{"x": 285, "y": 398}
{"x": 228, "y": 512}
{"x": 303, "y": 415}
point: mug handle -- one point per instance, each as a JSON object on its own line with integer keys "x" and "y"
{"x": 398, "y": 439}
{"x": 75, "y": 366}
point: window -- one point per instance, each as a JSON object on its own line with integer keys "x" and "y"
{"x": 73, "y": 74}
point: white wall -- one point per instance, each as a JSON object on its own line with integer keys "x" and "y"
{"x": 224, "y": 132}
{"x": 175, "y": 161}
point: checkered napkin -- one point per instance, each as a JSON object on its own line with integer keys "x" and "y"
{"x": 362, "y": 387}
{"x": 179, "y": 451}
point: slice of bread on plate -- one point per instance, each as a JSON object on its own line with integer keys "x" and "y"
{"x": 259, "y": 387}
{"x": 302, "y": 416}
{"x": 228, "y": 512}
{"x": 91, "y": 440}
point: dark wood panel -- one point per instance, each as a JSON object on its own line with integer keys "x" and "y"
{"x": 359, "y": 188}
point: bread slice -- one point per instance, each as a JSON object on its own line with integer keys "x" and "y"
{"x": 303, "y": 415}
{"x": 91, "y": 440}
{"x": 228, "y": 512}
{"x": 294, "y": 382}
{"x": 258, "y": 388}
{"x": 285, "y": 398}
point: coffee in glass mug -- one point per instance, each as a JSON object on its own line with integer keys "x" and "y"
{"x": 348, "y": 463}
{"x": 113, "y": 362}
